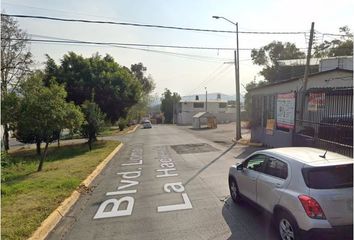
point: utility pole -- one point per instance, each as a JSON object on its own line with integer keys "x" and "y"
{"x": 238, "y": 103}
{"x": 306, "y": 74}
{"x": 173, "y": 112}
{"x": 237, "y": 81}
{"x": 206, "y": 99}
{"x": 308, "y": 58}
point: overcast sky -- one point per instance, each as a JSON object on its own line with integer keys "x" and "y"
{"x": 184, "y": 74}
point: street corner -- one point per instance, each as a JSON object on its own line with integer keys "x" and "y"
{"x": 134, "y": 129}
{"x": 247, "y": 142}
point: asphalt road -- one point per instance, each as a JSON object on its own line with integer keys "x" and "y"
{"x": 165, "y": 183}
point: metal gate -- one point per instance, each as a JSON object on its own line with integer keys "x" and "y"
{"x": 327, "y": 121}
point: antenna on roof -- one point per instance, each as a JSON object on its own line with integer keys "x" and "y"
{"x": 324, "y": 155}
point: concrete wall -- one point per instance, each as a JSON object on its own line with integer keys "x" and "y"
{"x": 213, "y": 106}
{"x": 186, "y": 111}
{"x": 278, "y": 139}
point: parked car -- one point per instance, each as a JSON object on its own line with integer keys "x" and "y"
{"x": 307, "y": 191}
{"x": 147, "y": 124}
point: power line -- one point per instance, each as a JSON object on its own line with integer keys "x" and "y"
{"x": 143, "y": 25}
{"x": 217, "y": 73}
{"x": 127, "y": 44}
{"x": 124, "y": 44}
{"x": 217, "y": 70}
{"x": 56, "y": 10}
{"x": 183, "y": 55}
{"x": 116, "y": 44}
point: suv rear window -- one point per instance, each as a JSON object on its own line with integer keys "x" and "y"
{"x": 340, "y": 176}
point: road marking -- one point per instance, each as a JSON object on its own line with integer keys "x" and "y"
{"x": 167, "y": 165}
{"x": 130, "y": 184}
{"x": 127, "y": 175}
{"x": 176, "y": 187}
{"x": 115, "y": 212}
{"x": 183, "y": 206}
{"x": 166, "y": 173}
{"x": 111, "y": 207}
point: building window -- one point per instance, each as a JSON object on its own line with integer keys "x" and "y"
{"x": 222, "y": 105}
{"x": 198, "y": 105}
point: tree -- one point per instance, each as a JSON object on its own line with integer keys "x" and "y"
{"x": 44, "y": 112}
{"x": 94, "y": 120}
{"x": 15, "y": 62}
{"x": 336, "y": 47}
{"x": 9, "y": 111}
{"x": 269, "y": 55}
{"x": 51, "y": 71}
{"x": 147, "y": 83}
{"x": 168, "y": 102}
{"x": 72, "y": 121}
{"x": 115, "y": 87}
{"x": 248, "y": 97}
{"x": 140, "y": 109}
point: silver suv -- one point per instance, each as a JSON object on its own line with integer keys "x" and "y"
{"x": 308, "y": 191}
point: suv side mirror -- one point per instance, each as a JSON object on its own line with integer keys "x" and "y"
{"x": 240, "y": 167}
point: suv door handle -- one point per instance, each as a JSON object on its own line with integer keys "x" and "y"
{"x": 278, "y": 185}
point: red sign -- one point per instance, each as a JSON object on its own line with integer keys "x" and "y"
{"x": 316, "y": 101}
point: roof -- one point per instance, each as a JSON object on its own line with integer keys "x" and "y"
{"x": 310, "y": 156}
{"x": 297, "y": 78}
{"x": 203, "y": 114}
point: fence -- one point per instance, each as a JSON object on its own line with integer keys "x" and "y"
{"x": 326, "y": 122}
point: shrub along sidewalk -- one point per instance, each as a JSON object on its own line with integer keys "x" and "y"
{"x": 28, "y": 196}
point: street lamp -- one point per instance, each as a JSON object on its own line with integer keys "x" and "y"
{"x": 237, "y": 81}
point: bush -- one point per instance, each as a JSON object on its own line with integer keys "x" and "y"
{"x": 5, "y": 159}
{"x": 122, "y": 123}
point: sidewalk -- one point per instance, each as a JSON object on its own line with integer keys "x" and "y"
{"x": 224, "y": 135}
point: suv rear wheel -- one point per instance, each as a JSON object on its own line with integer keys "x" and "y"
{"x": 287, "y": 227}
{"x": 235, "y": 194}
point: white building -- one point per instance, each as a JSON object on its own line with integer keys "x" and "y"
{"x": 186, "y": 109}
{"x": 342, "y": 62}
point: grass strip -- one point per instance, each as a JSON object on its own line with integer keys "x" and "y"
{"x": 28, "y": 197}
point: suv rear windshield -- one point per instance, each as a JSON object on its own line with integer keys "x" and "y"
{"x": 340, "y": 176}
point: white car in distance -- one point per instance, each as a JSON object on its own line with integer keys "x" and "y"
{"x": 147, "y": 124}
{"x": 308, "y": 191}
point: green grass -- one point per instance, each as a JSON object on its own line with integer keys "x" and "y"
{"x": 28, "y": 197}
{"x": 109, "y": 131}
{"x": 113, "y": 131}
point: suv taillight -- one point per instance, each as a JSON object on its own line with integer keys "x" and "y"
{"x": 312, "y": 208}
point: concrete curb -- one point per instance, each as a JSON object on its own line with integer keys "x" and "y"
{"x": 53, "y": 219}
{"x": 134, "y": 129}
{"x": 247, "y": 142}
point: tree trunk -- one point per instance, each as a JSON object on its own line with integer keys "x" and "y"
{"x": 38, "y": 148}
{"x": 6, "y": 138}
{"x": 90, "y": 143}
{"x": 59, "y": 139}
{"x": 43, "y": 157}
